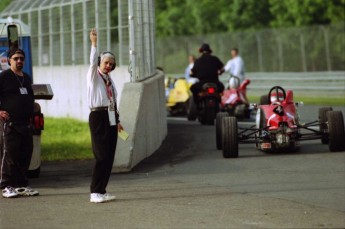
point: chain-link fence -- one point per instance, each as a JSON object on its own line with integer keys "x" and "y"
{"x": 60, "y": 29}
{"x": 316, "y": 48}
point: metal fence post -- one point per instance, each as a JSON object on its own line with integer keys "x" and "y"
{"x": 258, "y": 41}
{"x": 304, "y": 63}
{"x": 39, "y": 37}
{"x": 62, "y": 39}
{"x": 328, "y": 59}
{"x": 96, "y": 20}
{"x": 108, "y": 26}
{"x": 132, "y": 51}
{"x": 72, "y": 33}
{"x": 280, "y": 54}
{"x": 119, "y": 9}
{"x": 85, "y": 32}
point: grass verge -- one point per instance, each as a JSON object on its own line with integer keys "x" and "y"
{"x": 65, "y": 139}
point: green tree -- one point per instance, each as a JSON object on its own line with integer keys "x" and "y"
{"x": 306, "y": 12}
{"x": 206, "y": 15}
{"x": 4, "y": 4}
{"x": 173, "y": 18}
{"x": 246, "y": 14}
{"x": 187, "y": 17}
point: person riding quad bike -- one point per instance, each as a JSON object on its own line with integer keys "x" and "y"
{"x": 204, "y": 104}
{"x": 206, "y": 68}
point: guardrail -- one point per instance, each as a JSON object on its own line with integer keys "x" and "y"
{"x": 307, "y": 81}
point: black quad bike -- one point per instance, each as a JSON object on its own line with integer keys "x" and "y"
{"x": 207, "y": 106}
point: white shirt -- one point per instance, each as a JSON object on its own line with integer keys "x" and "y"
{"x": 96, "y": 89}
{"x": 187, "y": 71}
{"x": 235, "y": 67}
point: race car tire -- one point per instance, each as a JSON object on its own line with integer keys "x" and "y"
{"x": 262, "y": 125}
{"x": 192, "y": 111}
{"x": 219, "y": 119}
{"x": 240, "y": 111}
{"x": 229, "y": 137}
{"x": 264, "y": 100}
{"x": 336, "y": 131}
{"x": 323, "y": 123}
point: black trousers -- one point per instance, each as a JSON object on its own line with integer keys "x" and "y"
{"x": 104, "y": 140}
{"x": 16, "y": 147}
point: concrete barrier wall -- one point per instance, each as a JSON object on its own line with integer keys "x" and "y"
{"x": 141, "y": 105}
{"x": 143, "y": 115}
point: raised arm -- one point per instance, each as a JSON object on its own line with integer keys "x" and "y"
{"x": 93, "y": 39}
{"x": 92, "y": 72}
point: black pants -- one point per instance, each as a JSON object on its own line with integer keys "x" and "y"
{"x": 104, "y": 140}
{"x": 16, "y": 147}
{"x": 197, "y": 88}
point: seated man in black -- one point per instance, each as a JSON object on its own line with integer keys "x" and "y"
{"x": 206, "y": 68}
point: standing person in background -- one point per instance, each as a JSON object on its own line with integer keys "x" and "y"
{"x": 104, "y": 119}
{"x": 16, "y": 113}
{"x": 188, "y": 71}
{"x": 235, "y": 66}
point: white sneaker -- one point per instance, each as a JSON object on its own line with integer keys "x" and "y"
{"x": 101, "y": 198}
{"x": 109, "y": 197}
{"x": 97, "y": 198}
{"x": 9, "y": 192}
{"x": 26, "y": 191}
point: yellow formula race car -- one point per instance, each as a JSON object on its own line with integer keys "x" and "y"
{"x": 178, "y": 95}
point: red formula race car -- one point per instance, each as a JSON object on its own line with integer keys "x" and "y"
{"x": 234, "y": 100}
{"x": 279, "y": 129}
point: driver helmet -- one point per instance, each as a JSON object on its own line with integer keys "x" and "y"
{"x": 234, "y": 83}
{"x": 275, "y": 98}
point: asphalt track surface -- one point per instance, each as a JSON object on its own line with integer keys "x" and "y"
{"x": 187, "y": 184}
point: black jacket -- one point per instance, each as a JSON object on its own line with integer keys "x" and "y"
{"x": 206, "y": 68}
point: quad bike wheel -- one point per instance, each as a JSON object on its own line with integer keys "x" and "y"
{"x": 264, "y": 100}
{"x": 323, "y": 123}
{"x": 336, "y": 131}
{"x": 210, "y": 115}
{"x": 219, "y": 119}
{"x": 192, "y": 111}
{"x": 229, "y": 137}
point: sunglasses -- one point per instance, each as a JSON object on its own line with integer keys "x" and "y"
{"x": 18, "y": 58}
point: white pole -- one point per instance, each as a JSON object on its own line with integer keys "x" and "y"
{"x": 119, "y": 29}
{"x": 108, "y": 25}
{"x": 40, "y": 32}
{"x": 72, "y": 33}
{"x": 96, "y": 21}
{"x": 62, "y": 42}
{"x": 85, "y": 32}
{"x": 51, "y": 45}
{"x": 132, "y": 51}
